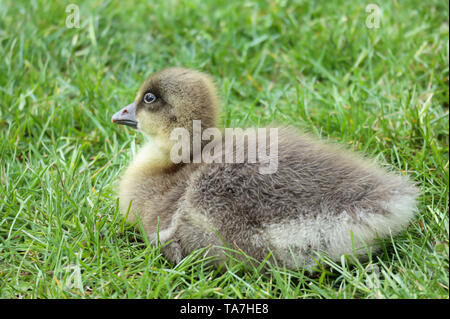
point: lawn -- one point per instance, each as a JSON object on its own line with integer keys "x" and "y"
{"x": 320, "y": 66}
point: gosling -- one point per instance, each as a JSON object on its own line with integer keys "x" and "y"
{"x": 320, "y": 200}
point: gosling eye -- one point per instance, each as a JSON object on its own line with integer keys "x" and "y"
{"x": 149, "y": 98}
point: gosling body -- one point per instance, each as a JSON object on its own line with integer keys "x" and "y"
{"x": 320, "y": 200}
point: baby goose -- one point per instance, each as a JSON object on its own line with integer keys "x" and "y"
{"x": 319, "y": 200}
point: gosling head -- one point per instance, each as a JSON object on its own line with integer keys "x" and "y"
{"x": 169, "y": 99}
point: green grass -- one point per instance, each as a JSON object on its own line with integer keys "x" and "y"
{"x": 314, "y": 65}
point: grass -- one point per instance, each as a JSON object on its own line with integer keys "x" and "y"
{"x": 314, "y": 65}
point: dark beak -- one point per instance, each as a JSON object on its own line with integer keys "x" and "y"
{"x": 126, "y": 116}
